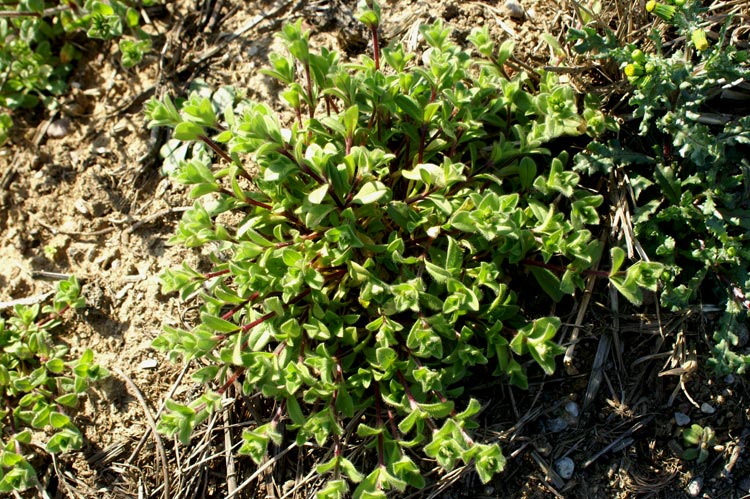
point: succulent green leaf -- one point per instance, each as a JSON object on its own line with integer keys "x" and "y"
{"x": 371, "y": 192}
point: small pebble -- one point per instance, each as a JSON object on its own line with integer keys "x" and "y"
{"x": 514, "y": 9}
{"x": 572, "y": 409}
{"x": 489, "y": 490}
{"x": 681, "y": 418}
{"x": 565, "y": 467}
{"x": 58, "y": 128}
{"x": 82, "y": 207}
{"x": 120, "y": 127}
{"x": 148, "y": 364}
{"x": 695, "y": 486}
{"x": 707, "y": 408}
{"x": 729, "y": 379}
{"x": 557, "y": 425}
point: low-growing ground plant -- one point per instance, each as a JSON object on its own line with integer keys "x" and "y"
{"x": 37, "y": 50}
{"x": 698, "y": 440}
{"x": 41, "y": 387}
{"x": 689, "y": 170}
{"x": 394, "y": 237}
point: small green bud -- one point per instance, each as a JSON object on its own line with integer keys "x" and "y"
{"x": 644, "y": 81}
{"x": 650, "y": 67}
{"x": 699, "y": 40}
{"x": 638, "y": 56}
{"x": 680, "y": 3}
{"x": 665, "y": 12}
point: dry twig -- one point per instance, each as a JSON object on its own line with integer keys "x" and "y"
{"x": 152, "y": 424}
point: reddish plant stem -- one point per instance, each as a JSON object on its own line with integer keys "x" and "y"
{"x": 270, "y": 315}
{"x": 254, "y": 323}
{"x": 334, "y": 275}
{"x": 308, "y": 171}
{"x": 420, "y": 197}
{"x": 308, "y": 82}
{"x": 218, "y": 150}
{"x": 231, "y": 380}
{"x": 355, "y": 184}
{"x": 422, "y": 136}
{"x": 412, "y": 401}
{"x": 221, "y": 152}
{"x": 239, "y": 307}
{"x": 259, "y": 204}
{"x": 247, "y": 200}
{"x": 53, "y": 316}
{"x": 394, "y": 428}
{"x": 332, "y": 104}
{"x": 375, "y": 46}
{"x": 278, "y": 414}
{"x": 306, "y": 237}
{"x": 218, "y": 273}
{"x": 12, "y": 424}
{"x": 276, "y": 419}
{"x": 379, "y": 424}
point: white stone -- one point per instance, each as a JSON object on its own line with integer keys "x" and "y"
{"x": 565, "y": 467}
{"x": 557, "y": 425}
{"x": 695, "y": 486}
{"x": 707, "y": 408}
{"x": 572, "y": 409}
{"x": 681, "y": 418}
{"x": 148, "y": 364}
{"x": 514, "y": 9}
{"x": 58, "y": 128}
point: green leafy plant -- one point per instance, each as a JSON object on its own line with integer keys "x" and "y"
{"x": 32, "y": 70}
{"x": 40, "y": 387}
{"x": 382, "y": 253}
{"x": 698, "y": 440}
{"x": 111, "y": 20}
{"x": 37, "y": 51}
{"x": 689, "y": 171}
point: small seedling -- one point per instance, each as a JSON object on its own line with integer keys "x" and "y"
{"x": 40, "y": 386}
{"x": 698, "y": 440}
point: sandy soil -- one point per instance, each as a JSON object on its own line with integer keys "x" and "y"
{"x": 94, "y": 203}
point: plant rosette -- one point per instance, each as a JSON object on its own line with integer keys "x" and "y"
{"x": 384, "y": 251}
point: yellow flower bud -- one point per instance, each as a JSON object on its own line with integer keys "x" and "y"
{"x": 699, "y": 40}
{"x": 632, "y": 70}
{"x": 665, "y": 12}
